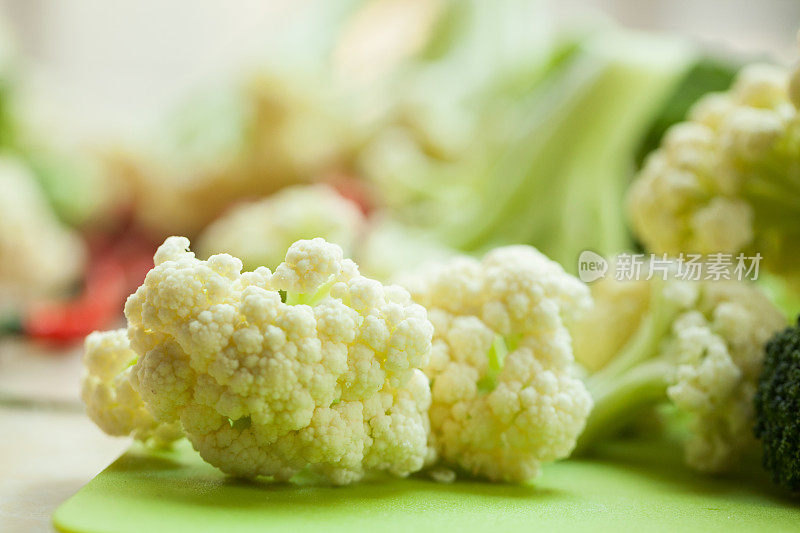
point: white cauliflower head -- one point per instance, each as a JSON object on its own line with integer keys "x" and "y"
{"x": 504, "y": 398}
{"x": 329, "y": 379}
{"x": 259, "y": 233}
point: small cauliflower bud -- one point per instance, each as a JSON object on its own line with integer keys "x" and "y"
{"x": 310, "y": 367}
{"x": 504, "y": 396}
{"x": 726, "y": 181}
{"x": 110, "y": 396}
{"x": 697, "y": 345}
{"x": 260, "y": 232}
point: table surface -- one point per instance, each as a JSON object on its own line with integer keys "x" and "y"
{"x": 48, "y": 447}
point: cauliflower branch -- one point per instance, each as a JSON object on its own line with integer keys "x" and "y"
{"x": 312, "y": 366}
{"x": 695, "y": 345}
{"x": 504, "y": 399}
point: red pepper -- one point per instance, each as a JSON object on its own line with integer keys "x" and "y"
{"x": 116, "y": 268}
{"x": 97, "y": 307}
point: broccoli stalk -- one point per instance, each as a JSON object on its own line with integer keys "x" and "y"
{"x": 777, "y": 403}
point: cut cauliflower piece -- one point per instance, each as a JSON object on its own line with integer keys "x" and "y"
{"x": 329, "y": 379}
{"x": 110, "y": 400}
{"x": 259, "y": 233}
{"x": 504, "y": 397}
{"x": 38, "y": 255}
{"x": 697, "y": 345}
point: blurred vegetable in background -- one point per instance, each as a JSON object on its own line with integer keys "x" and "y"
{"x": 451, "y": 138}
{"x": 38, "y": 254}
{"x": 728, "y": 180}
{"x": 245, "y": 138}
{"x": 391, "y": 249}
{"x": 259, "y": 233}
{"x": 536, "y": 142}
{"x": 241, "y": 142}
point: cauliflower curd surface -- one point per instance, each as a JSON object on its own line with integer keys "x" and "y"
{"x": 504, "y": 397}
{"x": 312, "y": 366}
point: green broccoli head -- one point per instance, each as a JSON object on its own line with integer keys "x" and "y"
{"x": 777, "y": 404}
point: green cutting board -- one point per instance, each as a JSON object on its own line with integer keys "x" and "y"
{"x": 627, "y": 487}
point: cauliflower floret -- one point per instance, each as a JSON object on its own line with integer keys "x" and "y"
{"x": 37, "y": 254}
{"x": 504, "y": 398}
{"x": 719, "y": 351}
{"x": 111, "y": 400}
{"x": 726, "y": 181}
{"x": 696, "y": 344}
{"x": 329, "y": 379}
{"x": 259, "y": 233}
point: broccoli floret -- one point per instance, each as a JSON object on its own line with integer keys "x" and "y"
{"x": 777, "y": 404}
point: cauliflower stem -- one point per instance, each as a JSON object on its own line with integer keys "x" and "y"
{"x": 619, "y": 401}
{"x": 637, "y": 377}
